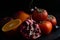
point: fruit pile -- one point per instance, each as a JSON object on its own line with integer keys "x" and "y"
{"x": 31, "y": 26}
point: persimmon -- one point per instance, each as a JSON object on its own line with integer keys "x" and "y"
{"x": 40, "y": 14}
{"x": 45, "y": 26}
{"x": 52, "y": 19}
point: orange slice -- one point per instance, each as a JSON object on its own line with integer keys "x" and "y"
{"x": 11, "y": 25}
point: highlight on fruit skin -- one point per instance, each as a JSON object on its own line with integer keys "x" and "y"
{"x": 39, "y": 14}
{"x": 11, "y": 25}
{"x": 22, "y": 15}
{"x": 46, "y": 27}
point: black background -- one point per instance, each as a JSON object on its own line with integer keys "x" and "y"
{"x": 9, "y": 8}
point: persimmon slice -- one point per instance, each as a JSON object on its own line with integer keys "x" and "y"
{"x": 11, "y": 25}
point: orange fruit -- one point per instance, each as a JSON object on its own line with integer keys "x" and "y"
{"x": 39, "y": 14}
{"x": 46, "y": 27}
{"x": 52, "y": 19}
{"x": 10, "y": 29}
{"x": 11, "y": 25}
{"x": 22, "y": 15}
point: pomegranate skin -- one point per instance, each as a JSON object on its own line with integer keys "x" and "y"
{"x": 30, "y": 29}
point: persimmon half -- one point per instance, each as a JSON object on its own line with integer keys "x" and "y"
{"x": 11, "y": 25}
{"x": 4, "y": 20}
{"x": 10, "y": 28}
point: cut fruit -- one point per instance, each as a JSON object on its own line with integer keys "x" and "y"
{"x": 11, "y": 25}
{"x": 30, "y": 29}
{"x": 52, "y": 19}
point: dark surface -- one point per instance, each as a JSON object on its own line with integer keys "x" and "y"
{"x": 9, "y": 8}
{"x": 55, "y": 35}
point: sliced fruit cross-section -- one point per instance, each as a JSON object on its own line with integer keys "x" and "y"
{"x": 11, "y": 25}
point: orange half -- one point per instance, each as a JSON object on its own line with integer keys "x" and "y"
{"x": 11, "y": 25}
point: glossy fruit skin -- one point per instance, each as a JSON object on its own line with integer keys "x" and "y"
{"x": 52, "y": 19}
{"x": 40, "y": 14}
{"x": 46, "y": 27}
{"x": 22, "y": 15}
